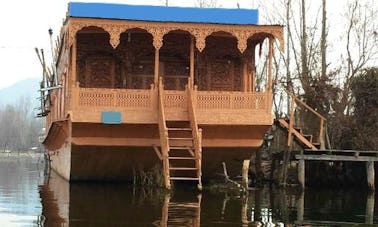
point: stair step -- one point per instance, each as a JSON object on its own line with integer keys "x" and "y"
{"x": 183, "y": 138}
{"x": 183, "y": 168}
{"x": 179, "y": 148}
{"x": 181, "y": 158}
{"x": 184, "y": 178}
{"x": 179, "y": 129}
{"x": 308, "y": 137}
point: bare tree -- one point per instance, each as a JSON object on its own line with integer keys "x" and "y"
{"x": 361, "y": 47}
{"x": 324, "y": 39}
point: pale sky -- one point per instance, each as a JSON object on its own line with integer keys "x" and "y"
{"x": 25, "y": 25}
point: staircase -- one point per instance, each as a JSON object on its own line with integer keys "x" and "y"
{"x": 307, "y": 141}
{"x": 304, "y": 139}
{"x": 181, "y": 150}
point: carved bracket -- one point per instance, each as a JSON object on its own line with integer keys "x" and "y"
{"x": 158, "y": 30}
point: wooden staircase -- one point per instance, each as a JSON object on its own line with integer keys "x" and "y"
{"x": 307, "y": 141}
{"x": 304, "y": 139}
{"x": 181, "y": 150}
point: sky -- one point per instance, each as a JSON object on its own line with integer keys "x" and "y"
{"x": 25, "y": 26}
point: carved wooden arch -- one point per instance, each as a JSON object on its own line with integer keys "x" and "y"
{"x": 275, "y": 35}
{"x": 232, "y": 36}
{"x": 158, "y": 30}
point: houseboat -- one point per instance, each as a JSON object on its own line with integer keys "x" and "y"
{"x": 145, "y": 86}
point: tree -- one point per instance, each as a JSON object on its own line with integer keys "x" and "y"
{"x": 365, "y": 115}
{"x": 19, "y": 128}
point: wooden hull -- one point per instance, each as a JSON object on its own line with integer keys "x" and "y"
{"x": 117, "y": 152}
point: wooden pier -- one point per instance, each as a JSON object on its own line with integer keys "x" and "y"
{"x": 338, "y": 156}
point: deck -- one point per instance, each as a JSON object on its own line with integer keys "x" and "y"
{"x": 140, "y": 106}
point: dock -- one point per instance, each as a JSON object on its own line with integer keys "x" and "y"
{"x": 338, "y": 156}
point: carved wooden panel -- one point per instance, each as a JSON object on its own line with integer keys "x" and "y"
{"x": 220, "y": 76}
{"x": 100, "y": 71}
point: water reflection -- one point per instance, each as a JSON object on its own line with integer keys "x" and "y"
{"x": 123, "y": 205}
{"x": 55, "y": 202}
{"x": 20, "y": 175}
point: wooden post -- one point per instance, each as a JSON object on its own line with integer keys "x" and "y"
{"x": 156, "y": 69}
{"x": 301, "y": 173}
{"x": 191, "y": 62}
{"x": 73, "y": 63}
{"x": 300, "y": 208}
{"x": 370, "y": 173}
{"x": 291, "y": 123}
{"x": 370, "y": 208}
{"x": 270, "y": 65}
{"x": 245, "y": 81}
{"x": 251, "y": 82}
{"x": 321, "y": 134}
{"x": 245, "y": 172}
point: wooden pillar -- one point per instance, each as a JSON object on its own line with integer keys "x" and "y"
{"x": 370, "y": 208}
{"x": 73, "y": 61}
{"x": 370, "y": 173}
{"x": 251, "y": 76}
{"x": 244, "y": 211}
{"x": 156, "y": 69}
{"x": 245, "y": 80}
{"x": 301, "y": 173}
{"x": 270, "y": 65}
{"x": 300, "y": 208}
{"x": 191, "y": 62}
{"x": 245, "y": 172}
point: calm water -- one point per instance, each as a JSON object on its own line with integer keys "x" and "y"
{"x": 27, "y": 198}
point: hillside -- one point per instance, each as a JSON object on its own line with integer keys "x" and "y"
{"x": 25, "y": 88}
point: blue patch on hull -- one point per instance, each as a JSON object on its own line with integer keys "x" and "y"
{"x": 111, "y": 118}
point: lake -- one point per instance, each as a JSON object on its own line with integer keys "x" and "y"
{"x": 29, "y": 198}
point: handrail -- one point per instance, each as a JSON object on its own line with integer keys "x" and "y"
{"x": 163, "y": 132}
{"x": 305, "y": 105}
{"x": 196, "y": 132}
{"x": 296, "y": 100}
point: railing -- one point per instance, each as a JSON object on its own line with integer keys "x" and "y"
{"x": 175, "y": 100}
{"x": 296, "y": 102}
{"x": 89, "y": 102}
{"x": 163, "y": 132}
{"x": 119, "y": 98}
{"x": 231, "y": 100}
{"x": 196, "y": 132}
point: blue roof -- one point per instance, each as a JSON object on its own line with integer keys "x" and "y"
{"x": 163, "y": 14}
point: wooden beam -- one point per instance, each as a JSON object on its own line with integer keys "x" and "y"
{"x": 191, "y": 62}
{"x": 301, "y": 173}
{"x": 73, "y": 63}
{"x": 370, "y": 174}
{"x": 156, "y": 69}
{"x": 158, "y": 152}
{"x": 245, "y": 170}
{"x": 324, "y": 157}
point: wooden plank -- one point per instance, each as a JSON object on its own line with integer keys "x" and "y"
{"x": 346, "y": 151}
{"x": 336, "y": 158}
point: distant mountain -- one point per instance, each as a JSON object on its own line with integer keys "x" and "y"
{"x": 24, "y": 88}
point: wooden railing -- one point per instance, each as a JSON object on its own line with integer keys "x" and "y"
{"x": 88, "y": 103}
{"x": 163, "y": 132}
{"x": 119, "y": 98}
{"x": 196, "y": 132}
{"x": 175, "y": 99}
{"x": 231, "y": 100}
{"x": 296, "y": 102}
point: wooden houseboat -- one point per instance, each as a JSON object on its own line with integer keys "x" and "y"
{"x": 140, "y": 86}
